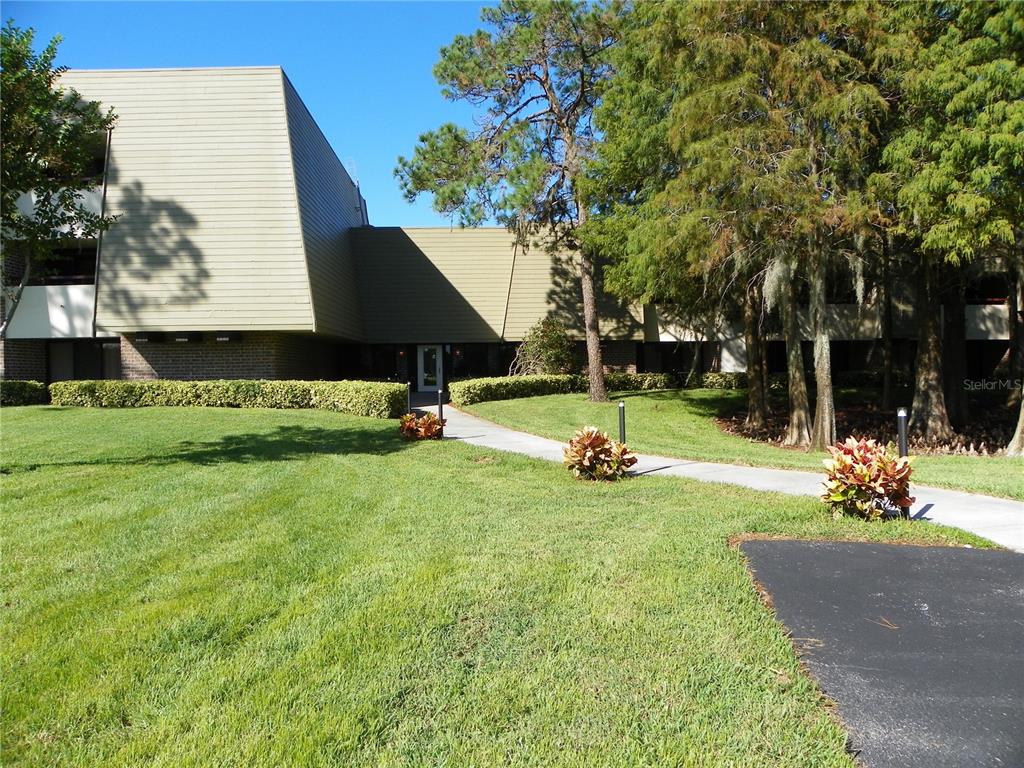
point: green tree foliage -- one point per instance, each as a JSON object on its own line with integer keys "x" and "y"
{"x": 735, "y": 140}
{"x": 955, "y": 164}
{"x": 51, "y": 138}
{"x": 682, "y": 175}
{"x": 957, "y": 161}
{"x": 533, "y": 78}
{"x": 546, "y": 348}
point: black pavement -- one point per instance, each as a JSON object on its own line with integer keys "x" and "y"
{"x": 921, "y": 648}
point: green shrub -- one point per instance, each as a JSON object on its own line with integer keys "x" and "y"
{"x": 381, "y": 400}
{"x": 635, "y": 382}
{"x": 546, "y": 348}
{"x": 867, "y": 479}
{"x": 592, "y": 455}
{"x": 722, "y": 380}
{"x": 472, "y": 391}
{"x": 860, "y": 379}
{"x": 15, "y": 392}
{"x": 779, "y": 382}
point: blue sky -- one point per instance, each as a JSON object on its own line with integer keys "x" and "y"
{"x": 363, "y": 69}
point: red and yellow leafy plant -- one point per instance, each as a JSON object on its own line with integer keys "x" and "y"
{"x": 425, "y": 427}
{"x": 592, "y": 455}
{"x": 867, "y": 479}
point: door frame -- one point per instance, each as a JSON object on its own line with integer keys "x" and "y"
{"x": 420, "y": 349}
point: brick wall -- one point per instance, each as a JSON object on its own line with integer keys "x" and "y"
{"x": 253, "y": 356}
{"x": 23, "y": 359}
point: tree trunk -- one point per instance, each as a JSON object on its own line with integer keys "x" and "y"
{"x": 1015, "y": 353}
{"x": 928, "y": 416}
{"x": 13, "y": 297}
{"x": 1016, "y": 446}
{"x": 693, "y": 376}
{"x": 885, "y": 298}
{"x": 823, "y": 432}
{"x": 798, "y": 431}
{"x": 756, "y": 411}
{"x": 595, "y": 368}
{"x": 954, "y": 351}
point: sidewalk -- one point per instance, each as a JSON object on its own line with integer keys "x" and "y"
{"x": 999, "y": 520}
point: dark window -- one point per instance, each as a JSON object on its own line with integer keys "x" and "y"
{"x": 61, "y": 360}
{"x": 74, "y": 265}
{"x": 777, "y": 360}
{"x": 670, "y": 356}
{"x": 384, "y": 362}
{"x": 89, "y": 172}
{"x": 987, "y": 289}
{"x": 111, "y": 359}
{"x": 469, "y": 361}
{"x": 83, "y": 359}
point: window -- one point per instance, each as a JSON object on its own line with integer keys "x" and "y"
{"x": 988, "y": 289}
{"x": 83, "y": 172}
{"x": 72, "y": 265}
{"x": 83, "y": 359}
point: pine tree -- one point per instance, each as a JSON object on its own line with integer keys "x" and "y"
{"x": 533, "y": 76}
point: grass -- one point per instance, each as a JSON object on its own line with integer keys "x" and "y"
{"x": 680, "y": 423}
{"x": 195, "y": 587}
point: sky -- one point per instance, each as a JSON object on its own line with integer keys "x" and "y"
{"x": 364, "y": 69}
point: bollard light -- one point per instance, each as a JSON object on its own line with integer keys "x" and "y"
{"x": 622, "y": 422}
{"x": 440, "y": 408}
{"x": 408, "y": 397}
{"x": 901, "y": 430}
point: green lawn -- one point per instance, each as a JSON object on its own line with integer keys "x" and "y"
{"x": 680, "y": 423}
{"x": 197, "y": 587}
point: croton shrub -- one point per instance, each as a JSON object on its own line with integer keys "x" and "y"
{"x": 592, "y": 455}
{"x": 425, "y": 427}
{"x": 867, "y": 479}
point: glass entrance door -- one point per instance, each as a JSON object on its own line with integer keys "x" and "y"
{"x": 430, "y": 376}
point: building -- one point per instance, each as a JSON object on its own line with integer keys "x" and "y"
{"x": 243, "y": 249}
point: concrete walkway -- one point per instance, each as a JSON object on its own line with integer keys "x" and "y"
{"x": 999, "y": 520}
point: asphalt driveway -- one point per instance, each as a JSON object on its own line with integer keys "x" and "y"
{"x": 921, "y": 648}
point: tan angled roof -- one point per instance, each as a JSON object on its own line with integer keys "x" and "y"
{"x": 439, "y": 284}
{"x": 233, "y": 209}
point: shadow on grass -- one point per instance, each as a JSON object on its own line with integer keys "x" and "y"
{"x": 707, "y": 404}
{"x": 284, "y": 443}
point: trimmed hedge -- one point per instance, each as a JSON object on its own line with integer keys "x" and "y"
{"x": 381, "y": 400}
{"x": 471, "y": 391}
{"x": 16, "y": 392}
{"x": 737, "y": 380}
{"x": 779, "y": 381}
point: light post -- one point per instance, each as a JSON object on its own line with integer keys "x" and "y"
{"x": 901, "y": 431}
{"x": 440, "y": 408}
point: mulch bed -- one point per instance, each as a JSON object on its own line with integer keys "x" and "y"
{"x": 990, "y": 429}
